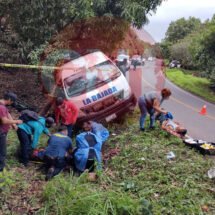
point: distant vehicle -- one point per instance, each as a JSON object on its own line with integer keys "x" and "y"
{"x": 174, "y": 64}
{"x": 120, "y": 58}
{"x": 150, "y": 58}
{"x": 137, "y": 60}
{"x": 123, "y": 63}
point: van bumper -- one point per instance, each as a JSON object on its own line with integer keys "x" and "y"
{"x": 114, "y": 111}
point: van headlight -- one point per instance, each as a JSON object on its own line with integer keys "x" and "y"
{"x": 127, "y": 93}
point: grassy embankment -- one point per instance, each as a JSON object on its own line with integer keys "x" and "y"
{"x": 138, "y": 173}
{"x": 196, "y": 85}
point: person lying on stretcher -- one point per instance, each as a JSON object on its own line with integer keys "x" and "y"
{"x": 167, "y": 123}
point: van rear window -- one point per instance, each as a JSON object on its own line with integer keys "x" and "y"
{"x": 88, "y": 79}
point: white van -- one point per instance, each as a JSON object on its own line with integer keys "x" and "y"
{"x": 97, "y": 87}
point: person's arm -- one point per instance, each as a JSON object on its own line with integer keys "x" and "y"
{"x": 6, "y": 121}
{"x": 57, "y": 115}
{"x": 156, "y": 106}
{"x": 47, "y": 132}
{"x": 14, "y": 126}
{"x": 74, "y": 111}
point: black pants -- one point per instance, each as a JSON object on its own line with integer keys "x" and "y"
{"x": 25, "y": 146}
{"x": 3, "y": 150}
{"x": 57, "y": 163}
{"x": 90, "y": 165}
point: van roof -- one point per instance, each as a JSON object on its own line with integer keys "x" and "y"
{"x": 85, "y": 61}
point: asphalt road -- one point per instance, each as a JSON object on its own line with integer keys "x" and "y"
{"x": 184, "y": 106}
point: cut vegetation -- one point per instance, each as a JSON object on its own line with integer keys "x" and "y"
{"x": 196, "y": 85}
{"x": 138, "y": 179}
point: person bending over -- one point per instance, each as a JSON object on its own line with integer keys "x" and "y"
{"x": 29, "y": 134}
{"x": 55, "y": 154}
{"x": 150, "y": 102}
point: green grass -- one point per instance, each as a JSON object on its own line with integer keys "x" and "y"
{"x": 139, "y": 180}
{"x": 196, "y": 85}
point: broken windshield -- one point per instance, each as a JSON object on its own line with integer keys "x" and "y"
{"x": 90, "y": 78}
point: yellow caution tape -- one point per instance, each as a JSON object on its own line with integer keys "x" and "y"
{"x": 24, "y": 66}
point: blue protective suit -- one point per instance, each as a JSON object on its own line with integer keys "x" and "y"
{"x": 83, "y": 148}
{"x": 99, "y": 130}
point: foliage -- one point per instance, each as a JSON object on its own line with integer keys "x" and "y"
{"x": 36, "y": 22}
{"x": 192, "y": 43}
{"x": 203, "y": 50}
{"x": 181, "y": 28}
{"x": 181, "y": 52}
{"x": 80, "y": 197}
{"x": 140, "y": 171}
{"x": 165, "y": 49}
{"x": 197, "y": 85}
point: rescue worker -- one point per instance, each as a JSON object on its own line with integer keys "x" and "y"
{"x": 151, "y": 102}
{"x": 55, "y": 154}
{"x": 67, "y": 112}
{"x": 5, "y": 122}
{"x": 30, "y": 129}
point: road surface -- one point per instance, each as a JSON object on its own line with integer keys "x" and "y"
{"x": 184, "y": 106}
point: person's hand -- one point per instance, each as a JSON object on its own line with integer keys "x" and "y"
{"x": 49, "y": 134}
{"x": 164, "y": 111}
{"x": 19, "y": 121}
{"x": 14, "y": 126}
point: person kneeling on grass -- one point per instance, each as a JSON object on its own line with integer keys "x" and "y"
{"x": 88, "y": 150}
{"x": 55, "y": 154}
{"x": 167, "y": 123}
{"x": 27, "y": 130}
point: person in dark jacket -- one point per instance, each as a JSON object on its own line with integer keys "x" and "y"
{"x": 58, "y": 149}
{"x": 6, "y": 121}
{"x": 29, "y": 134}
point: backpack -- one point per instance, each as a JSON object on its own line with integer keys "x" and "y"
{"x": 28, "y": 115}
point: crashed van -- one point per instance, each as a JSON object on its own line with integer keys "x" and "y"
{"x": 97, "y": 87}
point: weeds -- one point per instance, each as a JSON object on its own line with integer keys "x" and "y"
{"x": 139, "y": 179}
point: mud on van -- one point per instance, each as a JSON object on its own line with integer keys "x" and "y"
{"x": 97, "y": 87}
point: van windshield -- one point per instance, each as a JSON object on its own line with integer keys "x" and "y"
{"x": 88, "y": 79}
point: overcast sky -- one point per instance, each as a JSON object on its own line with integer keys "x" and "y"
{"x": 171, "y": 10}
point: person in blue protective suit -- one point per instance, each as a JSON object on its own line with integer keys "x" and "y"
{"x": 88, "y": 151}
{"x": 29, "y": 134}
{"x": 56, "y": 153}
{"x": 99, "y": 130}
{"x": 150, "y": 103}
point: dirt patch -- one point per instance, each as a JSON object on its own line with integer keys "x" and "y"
{"x": 25, "y": 84}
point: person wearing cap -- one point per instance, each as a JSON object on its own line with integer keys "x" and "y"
{"x": 29, "y": 134}
{"x": 150, "y": 103}
{"x": 6, "y": 121}
{"x": 67, "y": 112}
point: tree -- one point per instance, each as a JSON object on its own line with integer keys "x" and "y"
{"x": 180, "y": 51}
{"x": 203, "y": 50}
{"x": 181, "y": 28}
{"x": 38, "y": 21}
